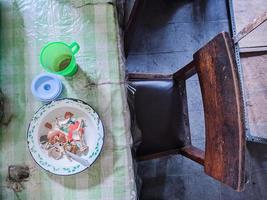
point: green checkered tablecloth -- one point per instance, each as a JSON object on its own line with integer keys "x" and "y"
{"x": 26, "y": 25}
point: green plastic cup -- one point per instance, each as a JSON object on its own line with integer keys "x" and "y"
{"x": 58, "y": 58}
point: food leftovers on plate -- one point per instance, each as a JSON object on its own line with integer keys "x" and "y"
{"x": 65, "y": 133}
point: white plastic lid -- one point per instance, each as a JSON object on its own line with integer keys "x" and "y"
{"x": 46, "y": 87}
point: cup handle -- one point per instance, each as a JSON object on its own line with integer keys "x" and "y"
{"x": 74, "y": 47}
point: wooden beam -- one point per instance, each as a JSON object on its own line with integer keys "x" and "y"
{"x": 193, "y": 153}
{"x": 255, "y": 49}
{"x": 250, "y": 27}
{"x": 186, "y": 72}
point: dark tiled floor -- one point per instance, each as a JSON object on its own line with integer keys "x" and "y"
{"x": 167, "y": 34}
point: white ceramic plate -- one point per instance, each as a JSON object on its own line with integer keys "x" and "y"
{"x": 94, "y": 135}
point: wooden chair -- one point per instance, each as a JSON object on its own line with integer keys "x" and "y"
{"x": 160, "y": 109}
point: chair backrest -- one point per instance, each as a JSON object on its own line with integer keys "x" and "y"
{"x": 223, "y": 111}
{"x": 224, "y": 153}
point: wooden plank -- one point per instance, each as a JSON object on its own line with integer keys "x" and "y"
{"x": 223, "y": 111}
{"x": 186, "y": 72}
{"x": 255, "y": 85}
{"x": 245, "y": 11}
{"x": 193, "y": 153}
{"x": 250, "y": 27}
{"x": 253, "y": 49}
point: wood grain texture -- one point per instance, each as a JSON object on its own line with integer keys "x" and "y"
{"x": 245, "y": 11}
{"x": 250, "y": 27}
{"x": 223, "y": 111}
{"x": 255, "y": 85}
{"x": 194, "y": 154}
{"x": 186, "y": 72}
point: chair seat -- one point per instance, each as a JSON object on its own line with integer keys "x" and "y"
{"x": 158, "y": 107}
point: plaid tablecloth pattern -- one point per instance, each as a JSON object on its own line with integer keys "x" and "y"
{"x": 27, "y": 25}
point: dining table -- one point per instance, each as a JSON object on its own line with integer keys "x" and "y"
{"x": 25, "y": 27}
